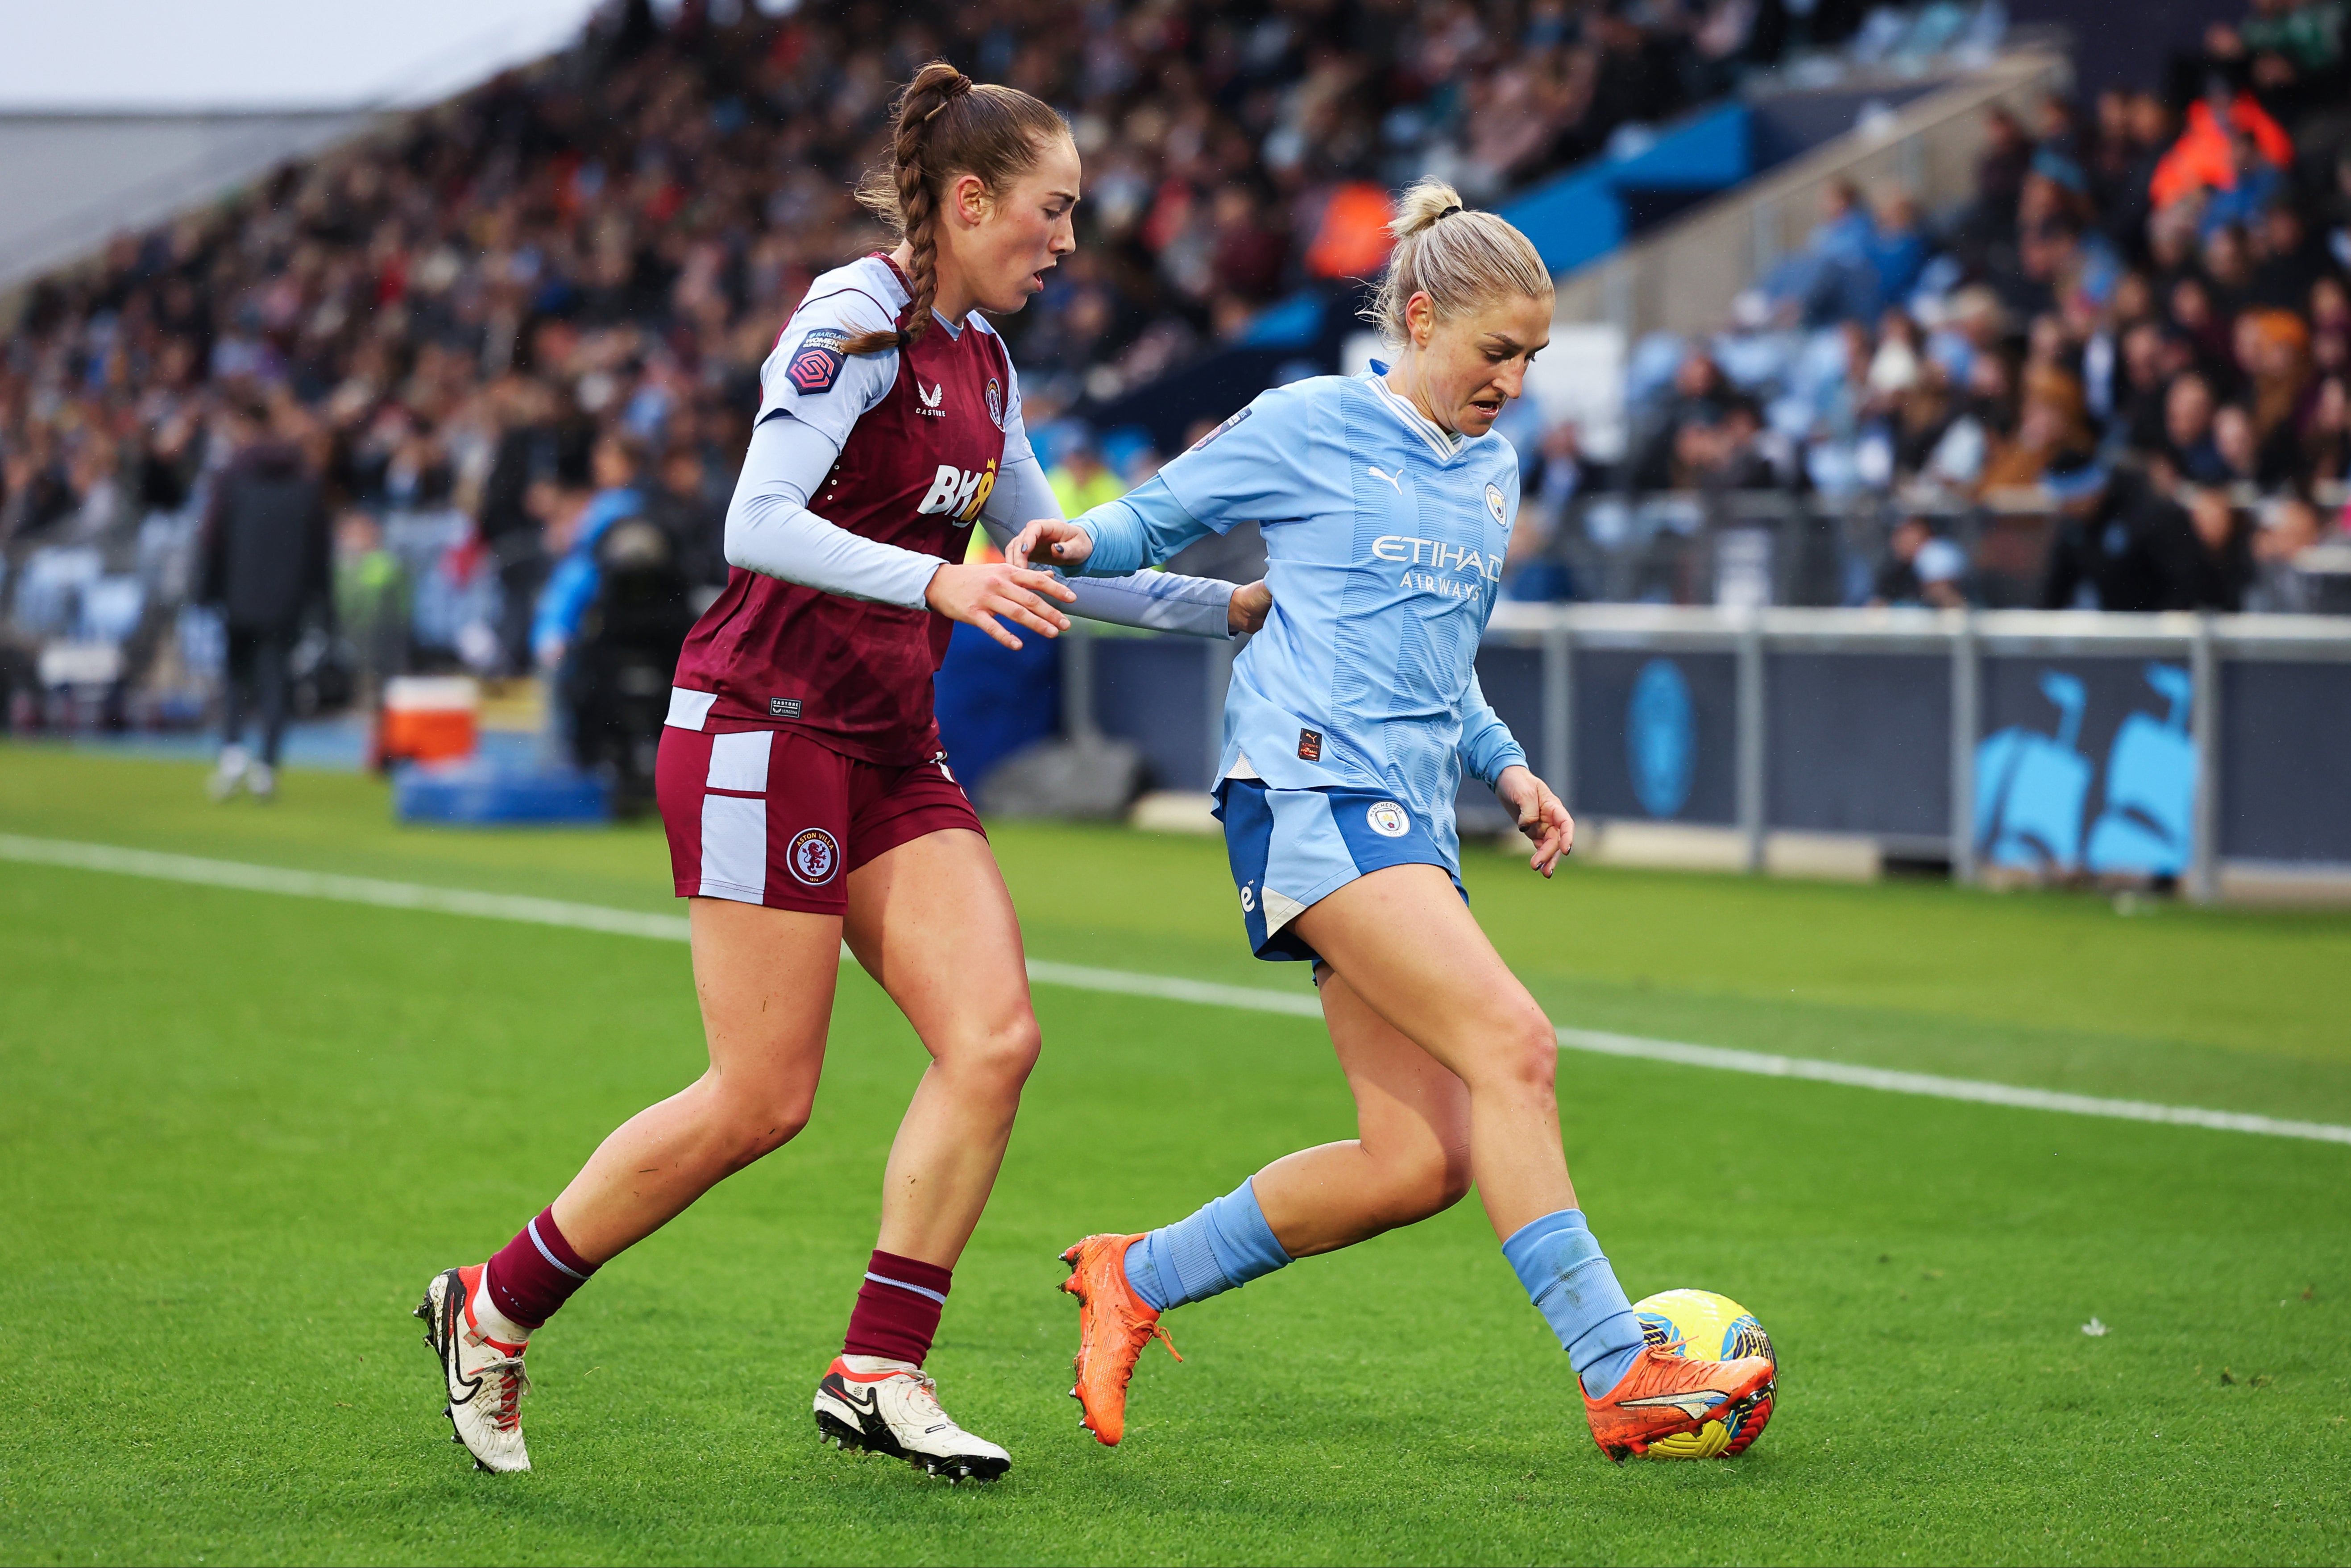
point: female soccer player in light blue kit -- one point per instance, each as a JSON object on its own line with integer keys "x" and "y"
{"x": 1387, "y": 507}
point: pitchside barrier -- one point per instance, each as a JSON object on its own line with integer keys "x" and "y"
{"x": 2210, "y": 751}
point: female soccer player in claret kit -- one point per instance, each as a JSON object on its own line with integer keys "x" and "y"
{"x": 806, "y": 796}
{"x": 1386, "y": 507}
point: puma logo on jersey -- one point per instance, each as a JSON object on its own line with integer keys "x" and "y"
{"x": 931, "y": 397}
{"x": 1395, "y": 480}
{"x": 958, "y": 494}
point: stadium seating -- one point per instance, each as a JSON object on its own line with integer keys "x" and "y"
{"x": 447, "y": 309}
{"x": 448, "y": 312}
{"x": 1920, "y": 320}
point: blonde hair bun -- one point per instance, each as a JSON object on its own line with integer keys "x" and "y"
{"x": 1421, "y": 205}
{"x": 1460, "y": 257}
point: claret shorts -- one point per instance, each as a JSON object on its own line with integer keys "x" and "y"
{"x": 771, "y": 817}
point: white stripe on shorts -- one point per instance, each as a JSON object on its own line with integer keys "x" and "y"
{"x": 1280, "y": 909}
{"x": 734, "y": 848}
{"x": 1306, "y": 852}
{"x": 689, "y": 710}
{"x": 740, "y": 762}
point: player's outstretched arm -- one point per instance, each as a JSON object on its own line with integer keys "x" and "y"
{"x": 771, "y": 531}
{"x": 1055, "y": 541}
{"x": 1154, "y": 601}
{"x": 1158, "y": 595}
{"x": 1142, "y": 527}
{"x": 1252, "y": 467}
{"x": 978, "y": 594}
{"x": 1171, "y": 601}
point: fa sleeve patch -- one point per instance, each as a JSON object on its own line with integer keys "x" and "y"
{"x": 816, "y": 364}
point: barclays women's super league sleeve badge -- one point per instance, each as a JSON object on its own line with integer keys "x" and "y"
{"x": 816, "y": 364}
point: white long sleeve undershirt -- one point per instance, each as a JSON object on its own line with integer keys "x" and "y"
{"x": 771, "y": 531}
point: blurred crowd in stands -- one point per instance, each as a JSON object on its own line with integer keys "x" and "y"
{"x": 498, "y": 326}
{"x": 2138, "y": 331}
{"x": 503, "y": 321}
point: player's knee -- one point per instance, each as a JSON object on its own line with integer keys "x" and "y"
{"x": 758, "y": 1122}
{"x": 1527, "y": 1053}
{"x": 1003, "y": 1054}
{"x": 764, "y": 1134}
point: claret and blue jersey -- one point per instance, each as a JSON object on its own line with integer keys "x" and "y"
{"x": 1384, "y": 536}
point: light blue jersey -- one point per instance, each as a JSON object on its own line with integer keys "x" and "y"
{"x": 1384, "y": 536}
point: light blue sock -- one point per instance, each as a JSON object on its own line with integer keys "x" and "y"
{"x": 1221, "y": 1247}
{"x": 1573, "y": 1286}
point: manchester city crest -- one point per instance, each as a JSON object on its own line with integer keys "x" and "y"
{"x": 996, "y": 403}
{"x": 1494, "y": 502}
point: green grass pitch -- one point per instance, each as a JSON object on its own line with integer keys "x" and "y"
{"x": 238, "y": 1131}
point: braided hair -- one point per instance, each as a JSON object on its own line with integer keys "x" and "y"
{"x": 948, "y": 126}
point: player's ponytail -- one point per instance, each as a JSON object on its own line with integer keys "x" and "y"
{"x": 1460, "y": 258}
{"x": 948, "y": 126}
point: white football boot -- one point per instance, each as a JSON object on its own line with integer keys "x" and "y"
{"x": 891, "y": 1407}
{"x": 484, "y": 1380}
{"x": 229, "y": 775}
{"x": 262, "y": 780}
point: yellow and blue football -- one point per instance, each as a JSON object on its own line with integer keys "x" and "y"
{"x": 1710, "y": 1328}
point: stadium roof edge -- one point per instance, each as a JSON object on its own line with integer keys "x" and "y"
{"x": 69, "y": 183}
{"x": 78, "y": 112}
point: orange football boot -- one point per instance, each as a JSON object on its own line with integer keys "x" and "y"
{"x": 1665, "y": 1394}
{"x": 1115, "y": 1323}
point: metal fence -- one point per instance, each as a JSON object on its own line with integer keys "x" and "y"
{"x": 2212, "y": 752}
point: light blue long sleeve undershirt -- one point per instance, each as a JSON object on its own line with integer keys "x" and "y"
{"x": 1142, "y": 527}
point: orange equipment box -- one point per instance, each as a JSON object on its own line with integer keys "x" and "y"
{"x": 428, "y": 718}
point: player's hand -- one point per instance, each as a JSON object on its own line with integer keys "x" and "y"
{"x": 1541, "y": 815}
{"x": 1248, "y": 609}
{"x": 977, "y": 595}
{"x": 1054, "y": 540}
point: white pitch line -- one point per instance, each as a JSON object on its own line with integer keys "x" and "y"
{"x": 1119, "y": 982}
{"x": 340, "y": 889}
{"x": 251, "y": 878}
{"x": 1760, "y": 1063}
{"x": 1938, "y": 1088}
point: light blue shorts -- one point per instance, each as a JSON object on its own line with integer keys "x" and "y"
{"x": 1290, "y": 848}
